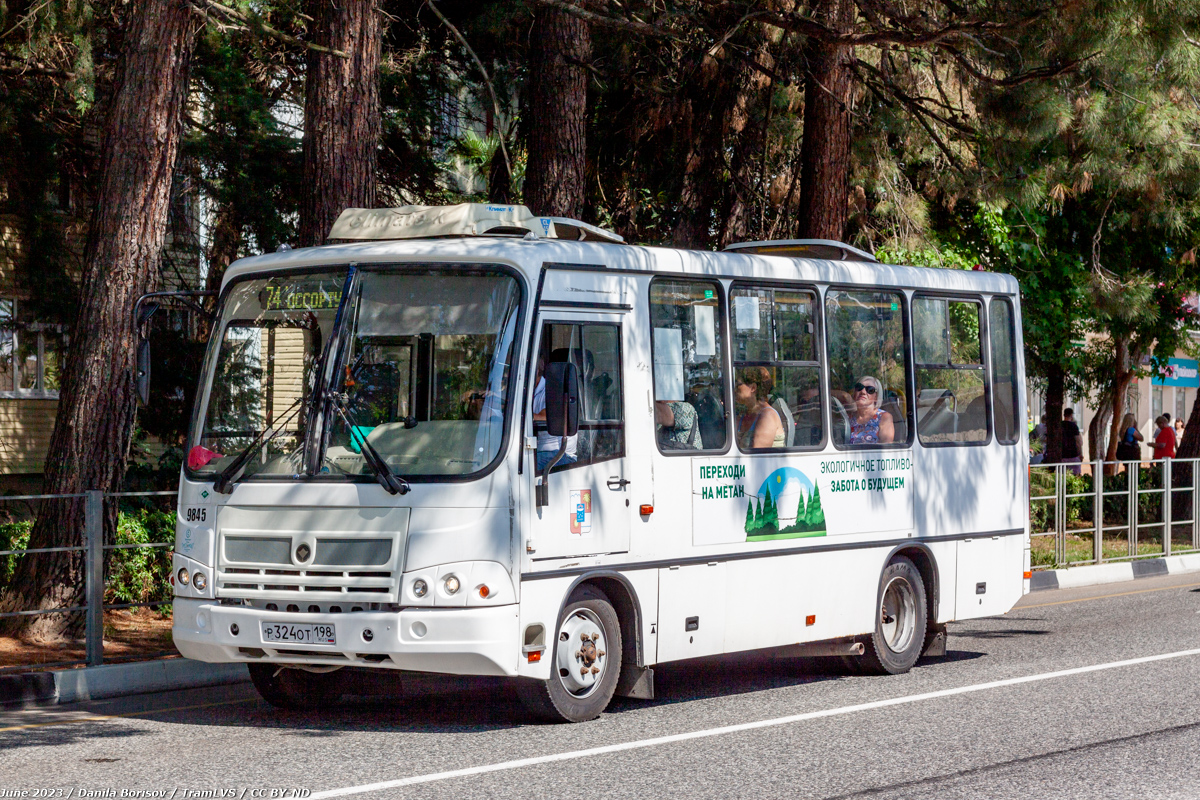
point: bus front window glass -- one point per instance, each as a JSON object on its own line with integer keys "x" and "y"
{"x": 595, "y": 350}
{"x": 689, "y": 382}
{"x": 951, "y": 397}
{"x": 271, "y": 336}
{"x": 777, "y": 385}
{"x": 867, "y": 367}
{"x": 426, "y": 374}
{"x": 1004, "y": 371}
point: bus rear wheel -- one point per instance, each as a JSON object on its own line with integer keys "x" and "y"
{"x": 900, "y": 621}
{"x": 294, "y": 688}
{"x": 585, "y": 664}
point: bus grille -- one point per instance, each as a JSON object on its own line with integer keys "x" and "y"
{"x": 341, "y": 570}
{"x": 377, "y": 586}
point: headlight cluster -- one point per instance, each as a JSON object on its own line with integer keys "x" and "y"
{"x": 197, "y": 579}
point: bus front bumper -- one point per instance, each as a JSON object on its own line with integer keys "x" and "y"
{"x": 455, "y": 641}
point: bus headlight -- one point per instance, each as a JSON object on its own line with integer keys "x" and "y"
{"x": 199, "y": 581}
{"x": 452, "y": 585}
{"x": 183, "y": 576}
{"x": 420, "y": 588}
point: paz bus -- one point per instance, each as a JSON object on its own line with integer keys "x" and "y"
{"x": 472, "y": 441}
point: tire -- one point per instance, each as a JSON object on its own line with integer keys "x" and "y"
{"x": 570, "y": 694}
{"x": 900, "y": 621}
{"x": 294, "y": 688}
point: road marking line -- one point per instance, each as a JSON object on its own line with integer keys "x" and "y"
{"x": 102, "y": 717}
{"x": 1103, "y": 596}
{"x": 745, "y": 726}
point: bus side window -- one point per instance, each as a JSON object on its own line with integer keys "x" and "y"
{"x": 1004, "y": 370}
{"x": 867, "y": 367}
{"x": 951, "y": 392}
{"x": 595, "y": 349}
{"x": 690, "y": 405}
{"x": 775, "y": 358}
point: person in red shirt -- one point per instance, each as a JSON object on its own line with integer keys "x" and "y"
{"x": 1164, "y": 440}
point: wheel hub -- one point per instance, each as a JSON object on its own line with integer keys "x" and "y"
{"x": 898, "y": 614}
{"x": 581, "y": 653}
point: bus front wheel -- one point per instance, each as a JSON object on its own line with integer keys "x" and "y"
{"x": 289, "y": 687}
{"x": 585, "y": 664}
{"x": 900, "y": 621}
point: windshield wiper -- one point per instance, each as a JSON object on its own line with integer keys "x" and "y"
{"x": 393, "y": 483}
{"x": 226, "y": 478}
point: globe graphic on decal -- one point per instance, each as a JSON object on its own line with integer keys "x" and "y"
{"x": 788, "y": 486}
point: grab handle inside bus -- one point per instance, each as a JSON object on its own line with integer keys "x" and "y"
{"x": 562, "y": 416}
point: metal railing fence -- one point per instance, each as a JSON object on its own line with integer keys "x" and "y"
{"x": 1113, "y": 511}
{"x": 94, "y": 552}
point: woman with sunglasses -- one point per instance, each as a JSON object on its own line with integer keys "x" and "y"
{"x": 869, "y": 424}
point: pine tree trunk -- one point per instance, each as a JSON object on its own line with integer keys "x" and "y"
{"x": 825, "y": 150}
{"x": 1055, "y": 389}
{"x": 341, "y": 114}
{"x": 90, "y": 444}
{"x": 555, "y": 175}
{"x": 1121, "y": 381}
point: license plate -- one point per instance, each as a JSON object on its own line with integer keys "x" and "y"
{"x": 298, "y": 632}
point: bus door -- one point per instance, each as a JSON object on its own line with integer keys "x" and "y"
{"x": 587, "y": 510}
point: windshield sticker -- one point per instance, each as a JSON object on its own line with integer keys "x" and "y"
{"x": 581, "y": 512}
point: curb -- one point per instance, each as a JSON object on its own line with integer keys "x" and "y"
{"x": 1097, "y": 574}
{"x": 115, "y": 680}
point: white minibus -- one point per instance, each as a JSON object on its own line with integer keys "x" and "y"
{"x": 471, "y": 441}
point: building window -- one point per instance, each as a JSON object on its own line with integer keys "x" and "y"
{"x": 31, "y": 354}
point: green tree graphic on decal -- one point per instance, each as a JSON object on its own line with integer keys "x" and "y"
{"x": 766, "y": 510}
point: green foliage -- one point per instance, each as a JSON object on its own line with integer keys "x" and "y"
{"x": 141, "y": 574}
{"x": 13, "y": 536}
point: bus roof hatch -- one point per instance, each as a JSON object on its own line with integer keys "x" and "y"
{"x": 464, "y": 219}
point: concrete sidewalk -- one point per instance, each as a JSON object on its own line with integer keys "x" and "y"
{"x": 114, "y": 680}
{"x": 1096, "y": 574}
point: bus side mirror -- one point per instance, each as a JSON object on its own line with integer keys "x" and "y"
{"x": 562, "y": 399}
{"x": 143, "y": 372}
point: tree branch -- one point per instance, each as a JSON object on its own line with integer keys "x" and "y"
{"x": 253, "y": 22}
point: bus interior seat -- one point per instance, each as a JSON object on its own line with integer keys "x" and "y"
{"x": 935, "y": 419}
{"x": 710, "y": 419}
{"x": 807, "y": 421}
{"x": 785, "y": 416}
{"x": 898, "y": 421}
{"x": 972, "y": 423}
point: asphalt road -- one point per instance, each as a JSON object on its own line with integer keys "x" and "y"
{"x": 1042, "y": 702}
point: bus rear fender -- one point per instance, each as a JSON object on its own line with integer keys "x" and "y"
{"x": 926, "y": 564}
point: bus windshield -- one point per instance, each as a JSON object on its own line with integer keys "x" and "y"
{"x": 426, "y": 371}
{"x": 422, "y": 378}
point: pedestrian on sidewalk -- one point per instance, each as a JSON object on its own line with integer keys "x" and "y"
{"x": 1128, "y": 448}
{"x": 1179, "y": 426}
{"x": 1072, "y": 442}
{"x": 1164, "y": 440}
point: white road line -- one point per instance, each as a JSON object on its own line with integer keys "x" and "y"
{"x": 745, "y": 726}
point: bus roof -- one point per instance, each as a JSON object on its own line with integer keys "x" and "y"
{"x": 529, "y": 255}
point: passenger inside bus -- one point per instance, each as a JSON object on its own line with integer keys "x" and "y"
{"x": 677, "y": 425}
{"x": 760, "y": 425}
{"x": 870, "y": 424}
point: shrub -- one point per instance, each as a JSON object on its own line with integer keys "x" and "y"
{"x": 141, "y": 574}
{"x": 13, "y": 536}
